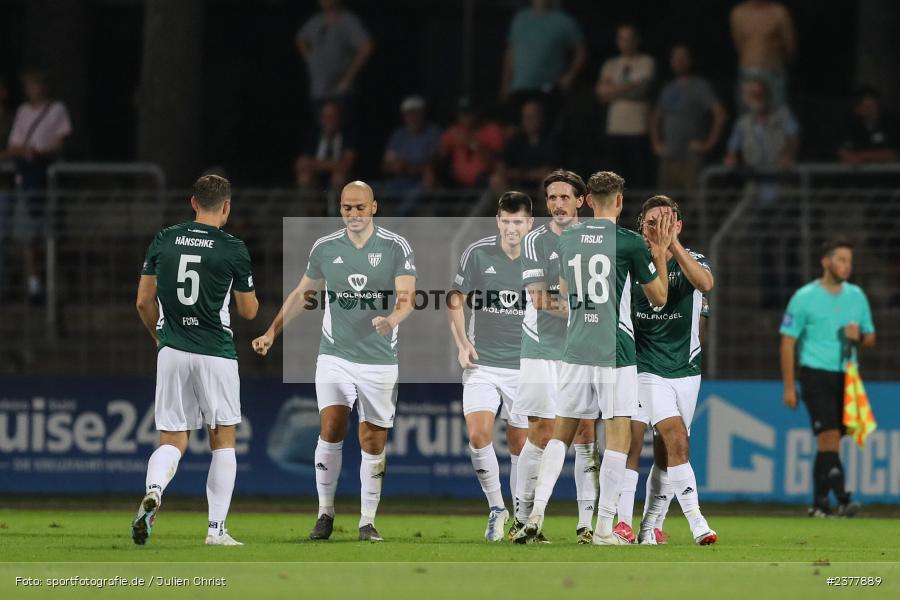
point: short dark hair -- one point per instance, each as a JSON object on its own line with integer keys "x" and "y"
{"x": 570, "y": 177}
{"x": 513, "y": 202}
{"x": 833, "y": 244}
{"x": 210, "y": 191}
{"x": 605, "y": 183}
{"x": 655, "y": 202}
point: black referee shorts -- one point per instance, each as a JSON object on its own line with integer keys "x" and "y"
{"x": 823, "y": 394}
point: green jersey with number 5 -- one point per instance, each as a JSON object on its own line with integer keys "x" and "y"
{"x": 599, "y": 260}
{"x": 196, "y": 267}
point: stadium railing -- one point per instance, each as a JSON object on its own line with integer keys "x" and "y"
{"x": 760, "y": 232}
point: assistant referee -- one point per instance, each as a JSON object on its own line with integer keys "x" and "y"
{"x": 825, "y": 322}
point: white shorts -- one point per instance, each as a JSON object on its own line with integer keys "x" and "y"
{"x": 589, "y": 392}
{"x": 491, "y": 389}
{"x": 193, "y": 389}
{"x": 667, "y": 398}
{"x": 373, "y": 388}
{"x": 538, "y": 388}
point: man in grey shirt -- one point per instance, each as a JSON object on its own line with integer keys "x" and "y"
{"x": 687, "y": 123}
{"x": 335, "y": 46}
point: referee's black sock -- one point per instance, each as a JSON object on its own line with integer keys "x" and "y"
{"x": 833, "y": 471}
{"x": 820, "y": 481}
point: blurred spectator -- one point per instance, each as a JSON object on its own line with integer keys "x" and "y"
{"x": 39, "y": 130}
{"x": 412, "y": 148}
{"x": 530, "y": 154}
{"x": 687, "y": 123}
{"x": 329, "y": 155}
{"x": 545, "y": 52}
{"x": 870, "y": 136}
{"x": 624, "y": 84}
{"x": 335, "y": 45}
{"x": 763, "y": 137}
{"x": 763, "y": 35}
{"x": 471, "y": 147}
{"x": 409, "y": 159}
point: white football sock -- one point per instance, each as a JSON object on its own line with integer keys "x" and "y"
{"x": 371, "y": 478}
{"x": 657, "y": 498}
{"x": 526, "y": 479}
{"x": 219, "y": 487}
{"x": 612, "y": 472}
{"x": 513, "y": 480}
{"x": 487, "y": 469}
{"x": 328, "y": 459}
{"x": 551, "y": 466}
{"x": 587, "y": 482}
{"x": 669, "y": 494}
{"x": 685, "y": 485}
{"x": 626, "y": 498}
{"x": 161, "y": 468}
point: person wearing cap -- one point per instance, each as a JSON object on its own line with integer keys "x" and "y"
{"x": 471, "y": 147}
{"x": 409, "y": 156}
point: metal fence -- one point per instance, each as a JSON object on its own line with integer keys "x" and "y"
{"x": 761, "y": 231}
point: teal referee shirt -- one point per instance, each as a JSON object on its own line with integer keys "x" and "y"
{"x": 817, "y": 318}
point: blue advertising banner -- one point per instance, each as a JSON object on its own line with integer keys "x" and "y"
{"x": 76, "y": 435}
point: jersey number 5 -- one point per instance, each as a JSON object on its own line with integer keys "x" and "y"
{"x": 597, "y": 278}
{"x": 184, "y": 275}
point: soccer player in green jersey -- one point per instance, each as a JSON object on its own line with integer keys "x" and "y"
{"x": 489, "y": 280}
{"x": 668, "y": 362}
{"x": 543, "y": 343}
{"x": 598, "y": 261}
{"x": 362, "y": 266}
{"x": 189, "y": 275}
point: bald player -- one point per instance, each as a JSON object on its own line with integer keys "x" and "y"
{"x": 371, "y": 271}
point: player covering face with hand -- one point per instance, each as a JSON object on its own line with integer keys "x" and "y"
{"x": 357, "y": 364}
{"x": 668, "y": 361}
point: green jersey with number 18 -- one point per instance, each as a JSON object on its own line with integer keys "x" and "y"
{"x": 668, "y": 337}
{"x": 196, "y": 267}
{"x": 359, "y": 286}
{"x": 599, "y": 260}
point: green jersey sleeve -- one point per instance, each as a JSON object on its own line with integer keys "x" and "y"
{"x": 642, "y": 264}
{"x": 314, "y": 265}
{"x": 534, "y": 263}
{"x": 794, "y": 319}
{"x": 242, "y": 271}
{"x": 405, "y": 264}
{"x": 464, "y": 281}
{"x": 152, "y": 257}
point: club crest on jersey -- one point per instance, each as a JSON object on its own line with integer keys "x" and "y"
{"x": 374, "y": 258}
{"x": 357, "y": 281}
{"x": 508, "y": 298}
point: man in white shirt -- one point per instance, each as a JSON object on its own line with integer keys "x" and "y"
{"x": 625, "y": 85}
{"x": 39, "y": 129}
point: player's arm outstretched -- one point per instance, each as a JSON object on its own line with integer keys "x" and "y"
{"x": 146, "y": 304}
{"x": 294, "y": 304}
{"x": 405, "y": 288}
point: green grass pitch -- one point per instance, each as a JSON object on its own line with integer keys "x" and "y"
{"x": 433, "y": 557}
